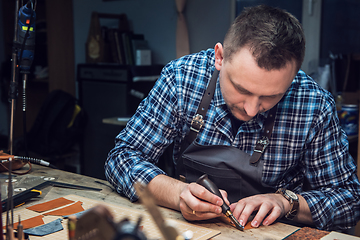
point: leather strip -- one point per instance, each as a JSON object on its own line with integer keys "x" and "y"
{"x": 262, "y": 143}
{"x": 46, "y": 206}
{"x": 203, "y": 107}
{"x": 30, "y": 223}
{"x": 72, "y": 209}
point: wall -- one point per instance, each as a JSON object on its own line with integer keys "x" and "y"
{"x": 4, "y": 125}
{"x": 208, "y": 21}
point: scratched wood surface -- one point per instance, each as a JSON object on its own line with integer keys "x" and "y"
{"x": 109, "y": 197}
{"x": 149, "y": 228}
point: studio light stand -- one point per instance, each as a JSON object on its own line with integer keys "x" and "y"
{"x": 22, "y": 58}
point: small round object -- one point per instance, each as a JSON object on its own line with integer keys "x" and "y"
{"x": 193, "y": 212}
{"x": 19, "y": 189}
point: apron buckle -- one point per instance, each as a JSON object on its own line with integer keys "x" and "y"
{"x": 261, "y": 144}
{"x": 197, "y": 122}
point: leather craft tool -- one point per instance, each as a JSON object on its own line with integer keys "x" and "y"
{"x": 20, "y": 233}
{"x": 209, "y": 185}
{"x": 168, "y": 232}
{"x": 24, "y": 196}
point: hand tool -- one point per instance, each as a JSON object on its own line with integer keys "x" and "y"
{"x": 209, "y": 185}
{"x": 24, "y": 196}
{"x": 168, "y": 232}
{"x": 20, "y": 229}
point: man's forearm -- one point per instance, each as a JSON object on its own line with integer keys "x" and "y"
{"x": 304, "y": 214}
{"x": 166, "y": 191}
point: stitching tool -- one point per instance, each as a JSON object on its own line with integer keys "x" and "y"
{"x": 209, "y": 185}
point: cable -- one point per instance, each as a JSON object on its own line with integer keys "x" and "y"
{"x": 36, "y": 161}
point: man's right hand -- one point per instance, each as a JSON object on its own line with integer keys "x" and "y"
{"x": 197, "y": 203}
{"x": 193, "y": 200}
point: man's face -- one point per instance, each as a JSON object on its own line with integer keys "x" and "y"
{"x": 248, "y": 89}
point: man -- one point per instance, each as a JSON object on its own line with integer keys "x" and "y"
{"x": 270, "y": 136}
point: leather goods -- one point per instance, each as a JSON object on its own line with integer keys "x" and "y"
{"x": 228, "y": 167}
{"x": 46, "y": 229}
{"x": 68, "y": 210}
{"x": 30, "y": 223}
{"x": 42, "y": 207}
{"x": 231, "y": 169}
{"x": 262, "y": 143}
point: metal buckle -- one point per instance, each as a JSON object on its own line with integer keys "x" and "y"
{"x": 197, "y": 122}
{"x": 261, "y": 143}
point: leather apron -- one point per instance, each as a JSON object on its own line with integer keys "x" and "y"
{"x": 230, "y": 168}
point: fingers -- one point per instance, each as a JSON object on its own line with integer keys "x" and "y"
{"x": 192, "y": 215}
{"x": 224, "y": 195}
{"x": 268, "y": 208}
{"x": 198, "y": 203}
{"x": 267, "y": 214}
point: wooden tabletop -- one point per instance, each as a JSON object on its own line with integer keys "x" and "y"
{"x": 108, "y": 195}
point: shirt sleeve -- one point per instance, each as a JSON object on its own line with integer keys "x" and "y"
{"x": 331, "y": 172}
{"x": 144, "y": 139}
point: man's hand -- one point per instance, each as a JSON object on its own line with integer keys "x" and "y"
{"x": 172, "y": 193}
{"x": 193, "y": 200}
{"x": 197, "y": 203}
{"x": 269, "y": 207}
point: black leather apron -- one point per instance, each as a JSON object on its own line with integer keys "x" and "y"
{"x": 229, "y": 168}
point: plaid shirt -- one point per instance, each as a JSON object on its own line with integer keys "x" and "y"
{"x": 307, "y": 144}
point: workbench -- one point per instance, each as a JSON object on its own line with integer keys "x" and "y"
{"x": 108, "y": 196}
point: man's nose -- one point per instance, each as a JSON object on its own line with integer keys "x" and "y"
{"x": 252, "y": 106}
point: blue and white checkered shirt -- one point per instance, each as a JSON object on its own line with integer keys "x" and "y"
{"x": 307, "y": 143}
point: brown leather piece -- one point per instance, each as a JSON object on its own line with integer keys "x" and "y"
{"x": 16, "y": 164}
{"x": 227, "y": 220}
{"x": 72, "y": 209}
{"x": 248, "y": 226}
{"x": 307, "y": 233}
{"x": 46, "y": 206}
{"x": 30, "y": 223}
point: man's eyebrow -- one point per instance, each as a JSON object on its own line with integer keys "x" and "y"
{"x": 245, "y": 91}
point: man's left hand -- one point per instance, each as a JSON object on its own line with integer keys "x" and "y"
{"x": 269, "y": 207}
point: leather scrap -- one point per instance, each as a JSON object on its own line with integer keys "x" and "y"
{"x": 72, "y": 209}
{"x": 46, "y": 206}
{"x": 248, "y": 226}
{"x": 228, "y": 221}
{"x": 30, "y": 223}
{"x": 307, "y": 233}
{"x": 76, "y": 215}
{"x": 46, "y": 229}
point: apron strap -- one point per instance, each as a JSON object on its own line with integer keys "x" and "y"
{"x": 262, "y": 143}
{"x": 198, "y": 120}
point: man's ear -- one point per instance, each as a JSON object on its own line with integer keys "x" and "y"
{"x": 218, "y": 56}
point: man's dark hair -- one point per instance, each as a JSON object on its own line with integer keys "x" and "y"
{"x": 274, "y": 36}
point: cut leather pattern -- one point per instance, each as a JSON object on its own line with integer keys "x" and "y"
{"x": 72, "y": 209}
{"x": 30, "y": 223}
{"x": 46, "y": 206}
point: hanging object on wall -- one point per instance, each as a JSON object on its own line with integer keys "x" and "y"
{"x": 182, "y": 36}
{"x": 95, "y": 42}
{"x": 97, "y": 49}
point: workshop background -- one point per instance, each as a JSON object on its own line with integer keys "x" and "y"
{"x": 111, "y": 81}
